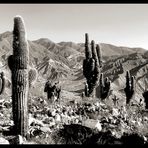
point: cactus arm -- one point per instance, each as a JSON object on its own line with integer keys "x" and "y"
{"x": 87, "y": 48}
{"x": 104, "y": 87}
{"x": 98, "y": 50}
{"x": 10, "y": 62}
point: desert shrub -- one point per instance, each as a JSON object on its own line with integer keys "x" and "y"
{"x": 132, "y": 139}
{"x": 73, "y": 134}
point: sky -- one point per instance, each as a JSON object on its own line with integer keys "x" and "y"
{"x": 117, "y": 24}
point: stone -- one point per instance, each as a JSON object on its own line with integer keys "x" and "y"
{"x": 98, "y": 126}
{"x": 115, "y": 112}
{"x": 3, "y": 141}
{"x": 45, "y": 129}
{"x": 53, "y": 113}
{"x": 57, "y": 118}
{"x": 97, "y": 104}
{"x": 7, "y": 104}
{"x": 35, "y": 121}
{"x": 91, "y": 123}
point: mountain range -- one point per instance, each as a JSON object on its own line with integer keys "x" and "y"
{"x": 63, "y": 62}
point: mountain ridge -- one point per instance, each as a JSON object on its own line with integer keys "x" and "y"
{"x": 63, "y": 62}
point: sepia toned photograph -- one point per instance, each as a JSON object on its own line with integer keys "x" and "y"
{"x": 74, "y": 74}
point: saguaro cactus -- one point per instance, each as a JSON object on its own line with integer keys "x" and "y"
{"x": 91, "y": 66}
{"x": 129, "y": 89}
{"x": 104, "y": 87}
{"x": 2, "y": 82}
{"x": 18, "y": 64}
{"x": 145, "y": 95}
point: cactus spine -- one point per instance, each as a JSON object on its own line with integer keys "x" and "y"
{"x": 104, "y": 87}
{"x": 2, "y": 82}
{"x": 90, "y": 66}
{"x": 129, "y": 89}
{"x": 19, "y": 70}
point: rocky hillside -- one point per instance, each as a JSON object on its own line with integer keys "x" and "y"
{"x": 63, "y": 62}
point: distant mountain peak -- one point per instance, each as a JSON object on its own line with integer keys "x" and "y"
{"x": 43, "y": 39}
{"x": 6, "y": 34}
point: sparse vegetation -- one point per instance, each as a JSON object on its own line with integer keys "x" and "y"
{"x": 78, "y": 117}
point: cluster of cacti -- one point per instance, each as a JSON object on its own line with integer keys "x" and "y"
{"x": 117, "y": 63}
{"x": 52, "y": 91}
{"x": 118, "y": 67}
{"x": 2, "y": 82}
{"x": 18, "y": 64}
{"x": 104, "y": 87}
{"x": 129, "y": 89}
{"x": 91, "y": 65}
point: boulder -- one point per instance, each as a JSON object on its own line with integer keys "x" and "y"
{"x": 45, "y": 129}
{"x": 98, "y": 126}
{"x": 91, "y": 123}
{"x": 35, "y": 121}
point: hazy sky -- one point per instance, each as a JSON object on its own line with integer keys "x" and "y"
{"x": 118, "y": 24}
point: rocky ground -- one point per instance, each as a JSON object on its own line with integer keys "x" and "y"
{"x": 55, "y": 124}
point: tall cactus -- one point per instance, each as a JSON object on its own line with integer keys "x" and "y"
{"x": 104, "y": 87}
{"x": 145, "y": 95}
{"x": 2, "y": 82}
{"x": 129, "y": 89}
{"x": 18, "y": 64}
{"x": 91, "y": 66}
